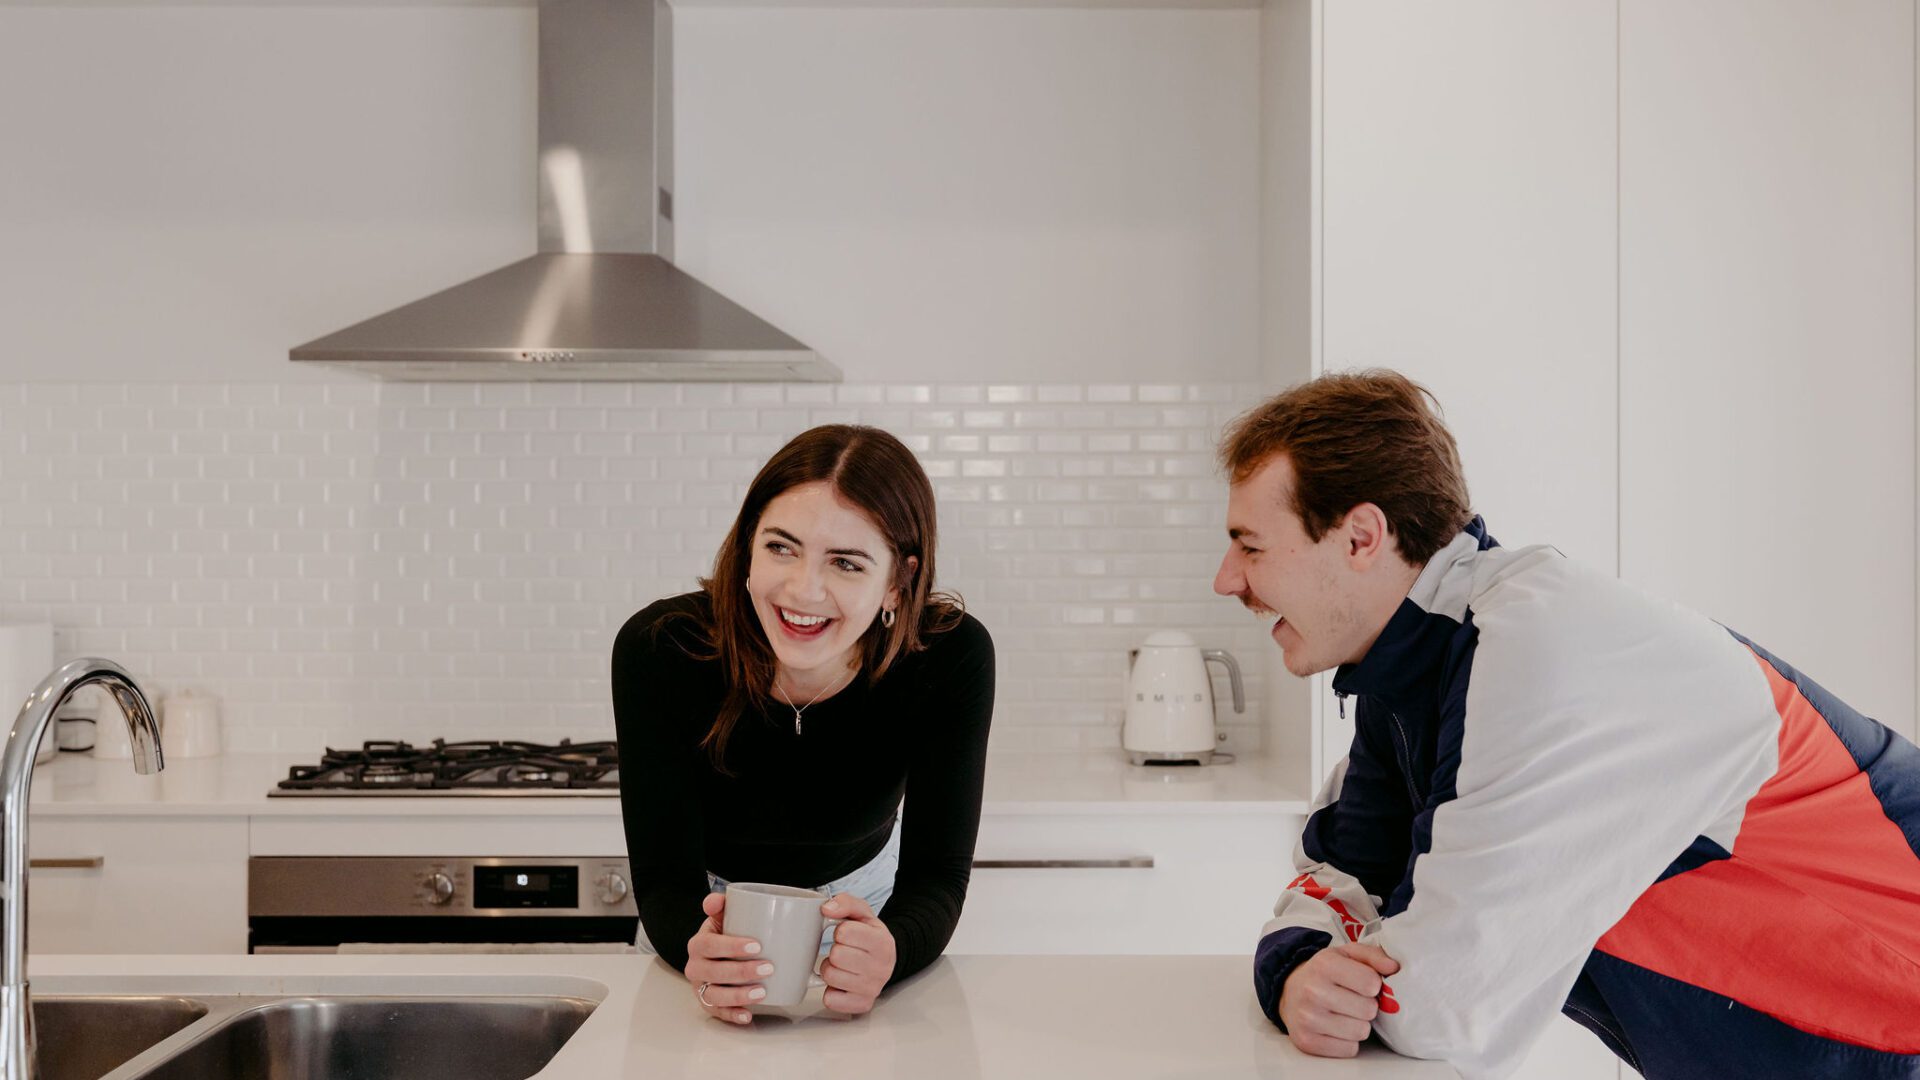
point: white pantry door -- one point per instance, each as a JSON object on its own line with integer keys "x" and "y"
{"x": 1468, "y": 234}
{"x": 1767, "y": 328}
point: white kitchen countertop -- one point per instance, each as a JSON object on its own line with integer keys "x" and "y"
{"x": 237, "y": 784}
{"x": 1106, "y": 1017}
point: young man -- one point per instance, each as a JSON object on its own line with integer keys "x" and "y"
{"x": 1562, "y": 793}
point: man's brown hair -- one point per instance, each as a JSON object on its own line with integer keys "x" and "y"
{"x": 1371, "y": 436}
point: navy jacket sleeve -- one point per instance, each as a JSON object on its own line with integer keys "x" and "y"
{"x": 1355, "y": 849}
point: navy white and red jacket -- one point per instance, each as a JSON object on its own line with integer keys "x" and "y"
{"x": 1564, "y": 794}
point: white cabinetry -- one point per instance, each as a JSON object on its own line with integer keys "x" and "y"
{"x": 137, "y": 884}
{"x": 1467, "y": 239}
{"x": 1658, "y": 263}
{"x": 1211, "y": 883}
{"x": 1466, "y": 236}
{"x": 1467, "y": 194}
{"x": 1767, "y": 329}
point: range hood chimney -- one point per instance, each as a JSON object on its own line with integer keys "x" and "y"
{"x": 601, "y": 300}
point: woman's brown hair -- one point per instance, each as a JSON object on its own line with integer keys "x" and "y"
{"x": 1371, "y": 436}
{"x": 877, "y": 474}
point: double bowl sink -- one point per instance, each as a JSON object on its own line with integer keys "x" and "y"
{"x": 301, "y": 1037}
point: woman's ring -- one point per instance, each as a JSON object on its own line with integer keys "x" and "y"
{"x": 701, "y": 993}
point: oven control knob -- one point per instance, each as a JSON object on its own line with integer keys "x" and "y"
{"x": 613, "y": 889}
{"x": 439, "y": 889}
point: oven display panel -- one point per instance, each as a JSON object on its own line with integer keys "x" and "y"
{"x": 526, "y": 887}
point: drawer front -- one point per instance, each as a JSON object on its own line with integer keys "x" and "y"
{"x": 137, "y": 885}
{"x": 1130, "y": 885}
{"x": 441, "y": 835}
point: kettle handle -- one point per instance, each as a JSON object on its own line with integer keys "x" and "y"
{"x": 1233, "y": 675}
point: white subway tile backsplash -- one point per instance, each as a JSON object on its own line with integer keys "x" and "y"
{"x": 385, "y": 560}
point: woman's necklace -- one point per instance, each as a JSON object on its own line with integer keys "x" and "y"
{"x": 798, "y": 709}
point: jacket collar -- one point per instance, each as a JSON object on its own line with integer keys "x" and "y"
{"x": 1408, "y": 653}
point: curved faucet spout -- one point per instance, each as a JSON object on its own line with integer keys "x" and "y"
{"x": 16, "y": 777}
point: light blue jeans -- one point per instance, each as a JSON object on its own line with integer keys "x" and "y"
{"x": 872, "y": 883}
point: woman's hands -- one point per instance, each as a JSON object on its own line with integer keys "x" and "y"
{"x": 725, "y": 970}
{"x": 861, "y": 962}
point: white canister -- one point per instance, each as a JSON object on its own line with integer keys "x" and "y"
{"x": 190, "y": 724}
{"x": 26, "y": 657}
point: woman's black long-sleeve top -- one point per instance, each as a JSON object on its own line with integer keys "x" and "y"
{"x": 801, "y": 808}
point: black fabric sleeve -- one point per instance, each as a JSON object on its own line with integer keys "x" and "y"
{"x": 660, "y": 766}
{"x": 940, "y": 818}
{"x": 1367, "y": 830}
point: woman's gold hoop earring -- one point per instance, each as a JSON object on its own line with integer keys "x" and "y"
{"x": 886, "y": 618}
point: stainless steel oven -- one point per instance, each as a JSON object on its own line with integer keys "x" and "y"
{"x": 408, "y": 904}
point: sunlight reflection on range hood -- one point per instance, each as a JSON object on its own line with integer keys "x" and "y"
{"x": 601, "y": 300}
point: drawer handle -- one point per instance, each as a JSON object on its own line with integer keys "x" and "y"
{"x": 1133, "y": 862}
{"x": 92, "y": 863}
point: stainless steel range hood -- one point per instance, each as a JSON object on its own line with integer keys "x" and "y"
{"x": 601, "y": 300}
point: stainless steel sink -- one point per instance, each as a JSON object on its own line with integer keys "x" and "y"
{"x": 364, "y": 1038}
{"x": 85, "y": 1038}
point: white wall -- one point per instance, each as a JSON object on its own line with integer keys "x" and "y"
{"x": 921, "y": 195}
{"x": 924, "y": 193}
{"x": 1290, "y": 278}
{"x": 190, "y": 191}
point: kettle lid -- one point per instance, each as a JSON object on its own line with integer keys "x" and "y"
{"x": 1161, "y": 639}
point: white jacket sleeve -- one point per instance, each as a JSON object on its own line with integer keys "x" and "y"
{"x": 1589, "y": 758}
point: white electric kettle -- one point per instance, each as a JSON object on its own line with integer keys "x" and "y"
{"x": 1170, "y": 700}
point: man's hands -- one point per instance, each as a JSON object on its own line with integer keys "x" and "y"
{"x": 1329, "y": 1002}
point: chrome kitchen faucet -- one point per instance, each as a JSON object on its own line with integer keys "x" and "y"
{"x": 16, "y": 776}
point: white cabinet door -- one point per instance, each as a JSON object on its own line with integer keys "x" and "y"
{"x": 1467, "y": 238}
{"x": 1211, "y": 885}
{"x": 1468, "y": 230}
{"x": 145, "y": 884}
{"x": 1767, "y": 322}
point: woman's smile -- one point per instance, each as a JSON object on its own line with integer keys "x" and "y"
{"x": 802, "y": 626}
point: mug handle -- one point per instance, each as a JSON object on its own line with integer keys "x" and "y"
{"x": 814, "y": 982}
{"x": 832, "y": 925}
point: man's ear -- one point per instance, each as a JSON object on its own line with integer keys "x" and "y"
{"x": 1368, "y": 537}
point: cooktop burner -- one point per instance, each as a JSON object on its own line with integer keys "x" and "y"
{"x": 460, "y": 768}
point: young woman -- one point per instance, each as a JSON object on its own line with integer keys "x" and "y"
{"x": 771, "y": 723}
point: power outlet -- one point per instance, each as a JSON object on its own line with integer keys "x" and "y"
{"x": 1234, "y": 740}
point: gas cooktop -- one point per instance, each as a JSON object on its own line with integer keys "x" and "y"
{"x": 460, "y": 768}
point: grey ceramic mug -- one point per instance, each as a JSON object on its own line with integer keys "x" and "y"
{"x": 787, "y": 923}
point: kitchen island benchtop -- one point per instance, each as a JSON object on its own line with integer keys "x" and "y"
{"x": 1105, "y": 1017}
{"x": 1060, "y": 783}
